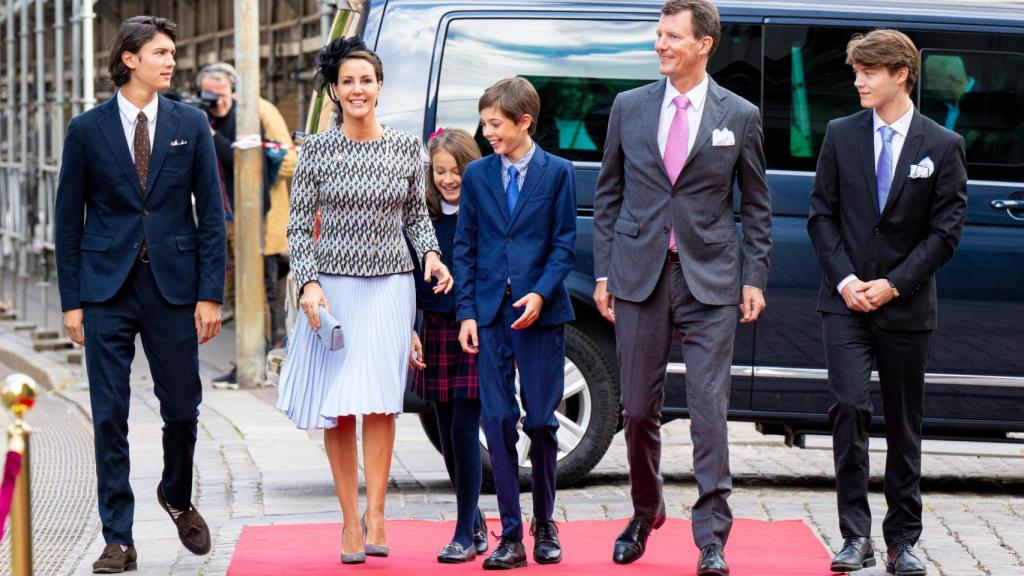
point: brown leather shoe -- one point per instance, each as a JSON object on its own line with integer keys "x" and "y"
{"x": 192, "y": 529}
{"x": 113, "y": 560}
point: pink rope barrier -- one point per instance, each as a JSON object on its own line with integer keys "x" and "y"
{"x": 12, "y": 467}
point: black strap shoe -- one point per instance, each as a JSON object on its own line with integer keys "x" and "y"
{"x": 454, "y": 553}
{"x": 546, "y": 547}
{"x": 712, "y": 561}
{"x": 114, "y": 560}
{"x": 509, "y": 554}
{"x": 632, "y": 542}
{"x": 857, "y": 553}
{"x": 901, "y": 560}
{"x": 480, "y": 536}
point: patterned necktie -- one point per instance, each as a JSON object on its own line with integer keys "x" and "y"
{"x": 140, "y": 146}
{"x": 512, "y": 192}
{"x": 883, "y": 171}
{"x": 677, "y": 148}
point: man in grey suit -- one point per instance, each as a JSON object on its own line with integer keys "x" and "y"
{"x": 667, "y": 256}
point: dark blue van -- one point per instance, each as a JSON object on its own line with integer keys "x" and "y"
{"x": 789, "y": 59}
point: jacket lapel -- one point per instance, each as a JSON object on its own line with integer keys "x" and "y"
{"x": 649, "y": 122}
{"x": 714, "y": 113}
{"x": 866, "y": 144}
{"x": 534, "y": 174}
{"x": 167, "y": 118}
{"x": 113, "y": 133}
{"x": 908, "y": 155}
{"x": 492, "y": 179}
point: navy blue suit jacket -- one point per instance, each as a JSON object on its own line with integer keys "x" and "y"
{"x": 103, "y": 215}
{"x": 534, "y": 247}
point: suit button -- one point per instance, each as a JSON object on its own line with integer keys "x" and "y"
{"x": 674, "y": 193}
{"x": 146, "y": 212}
{"x": 877, "y": 232}
{"x": 664, "y": 229}
{"x": 136, "y": 245}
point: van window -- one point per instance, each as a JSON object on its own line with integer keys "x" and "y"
{"x": 806, "y": 83}
{"x": 980, "y": 95}
{"x": 577, "y": 66}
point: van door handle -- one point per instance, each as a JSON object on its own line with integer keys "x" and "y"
{"x": 1014, "y": 208}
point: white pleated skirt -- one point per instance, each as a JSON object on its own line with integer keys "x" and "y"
{"x": 368, "y": 375}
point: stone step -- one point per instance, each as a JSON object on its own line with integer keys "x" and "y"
{"x": 52, "y": 344}
{"x": 44, "y": 334}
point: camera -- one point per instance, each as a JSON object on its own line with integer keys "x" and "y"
{"x": 205, "y": 101}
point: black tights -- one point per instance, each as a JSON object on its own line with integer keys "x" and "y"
{"x": 458, "y": 423}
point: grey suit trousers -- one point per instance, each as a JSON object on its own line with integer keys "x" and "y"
{"x": 643, "y": 332}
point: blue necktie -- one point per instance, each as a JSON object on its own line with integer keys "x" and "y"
{"x": 883, "y": 172}
{"x": 512, "y": 192}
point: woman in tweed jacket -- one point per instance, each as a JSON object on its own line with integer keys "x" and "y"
{"x": 366, "y": 182}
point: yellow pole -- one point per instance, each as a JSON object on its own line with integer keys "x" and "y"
{"x": 18, "y": 393}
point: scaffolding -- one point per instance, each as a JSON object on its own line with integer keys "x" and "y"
{"x": 47, "y": 77}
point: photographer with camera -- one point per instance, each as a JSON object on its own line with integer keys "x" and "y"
{"x": 215, "y": 88}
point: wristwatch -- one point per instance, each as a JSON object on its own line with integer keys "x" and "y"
{"x": 895, "y": 292}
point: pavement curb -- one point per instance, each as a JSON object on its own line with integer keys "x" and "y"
{"x": 17, "y": 353}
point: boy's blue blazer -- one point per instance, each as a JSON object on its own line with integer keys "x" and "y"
{"x": 534, "y": 247}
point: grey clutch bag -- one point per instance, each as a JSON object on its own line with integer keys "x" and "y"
{"x": 330, "y": 333}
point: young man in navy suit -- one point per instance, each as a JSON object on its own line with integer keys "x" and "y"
{"x": 133, "y": 259}
{"x": 515, "y": 245}
{"x": 887, "y": 210}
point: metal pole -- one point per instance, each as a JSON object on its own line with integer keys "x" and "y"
{"x": 76, "y": 58}
{"x": 89, "y": 56}
{"x": 250, "y": 343}
{"x": 5, "y": 306}
{"x": 24, "y": 233}
{"x": 326, "y": 20}
{"x": 18, "y": 394}
{"x": 41, "y": 216}
{"x": 10, "y": 239}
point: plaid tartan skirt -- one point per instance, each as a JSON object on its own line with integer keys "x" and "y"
{"x": 450, "y": 373}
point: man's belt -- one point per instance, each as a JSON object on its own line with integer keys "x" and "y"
{"x": 143, "y": 254}
{"x": 672, "y": 257}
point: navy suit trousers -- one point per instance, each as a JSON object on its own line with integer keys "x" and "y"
{"x": 171, "y": 345}
{"x": 539, "y": 353}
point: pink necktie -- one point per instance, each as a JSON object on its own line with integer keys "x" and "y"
{"x": 676, "y": 148}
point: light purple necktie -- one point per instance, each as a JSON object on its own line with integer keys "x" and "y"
{"x": 677, "y": 148}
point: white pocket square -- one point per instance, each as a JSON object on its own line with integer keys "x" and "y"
{"x": 179, "y": 142}
{"x": 922, "y": 169}
{"x": 723, "y": 137}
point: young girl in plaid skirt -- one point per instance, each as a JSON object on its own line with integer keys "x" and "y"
{"x": 446, "y": 375}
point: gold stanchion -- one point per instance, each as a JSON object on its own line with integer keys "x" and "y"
{"x": 19, "y": 394}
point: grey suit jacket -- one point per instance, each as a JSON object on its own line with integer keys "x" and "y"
{"x": 636, "y": 204}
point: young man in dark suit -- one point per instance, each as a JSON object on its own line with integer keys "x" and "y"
{"x": 887, "y": 210}
{"x": 136, "y": 255}
{"x": 515, "y": 245}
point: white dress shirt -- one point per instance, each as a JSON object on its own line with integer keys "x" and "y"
{"x": 697, "y": 95}
{"x": 900, "y": 129}
{"x": 130, "y": 117}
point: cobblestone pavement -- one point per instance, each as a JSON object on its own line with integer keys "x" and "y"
{"x": 253, "y": 467}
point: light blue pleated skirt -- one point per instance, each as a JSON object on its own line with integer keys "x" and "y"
{"x": 368, "y": 375}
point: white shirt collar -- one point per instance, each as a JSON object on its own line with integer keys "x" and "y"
{"x": 449, "y": 209}
{"x": 131, "y": 113}
{"x": 901, "y": 126}
{"x": 697, "y": 94}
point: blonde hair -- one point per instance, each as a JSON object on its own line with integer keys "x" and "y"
{"x": 460, "y": 144}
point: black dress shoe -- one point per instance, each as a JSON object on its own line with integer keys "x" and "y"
{"x": 480, "y": 536}
{"x": 632, "y": 542}
{"x": 454, "y": 553}
{"x": 509, "y": 554}
{"x": 857, "y": 553}
{"x": 114, "y": 560}
{"x": 712, "y": 561}
{"x": 902, "y": 561}
{"x": 546, "y": 547}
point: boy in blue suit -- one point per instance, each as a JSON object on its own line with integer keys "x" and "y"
{"x": 140, "y": 250}
{"x": 516, "y": 243}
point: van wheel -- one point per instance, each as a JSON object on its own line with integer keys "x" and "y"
{"x": 588, "y": 415}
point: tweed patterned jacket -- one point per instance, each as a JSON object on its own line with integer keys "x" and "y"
{"x": 365, "y": 193}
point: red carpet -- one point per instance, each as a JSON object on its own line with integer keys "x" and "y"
{"x": 755, "y": 548}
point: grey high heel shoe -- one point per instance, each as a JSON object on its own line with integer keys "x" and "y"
{"x": 355, "y": 557}
{"x": 378, "y": 550}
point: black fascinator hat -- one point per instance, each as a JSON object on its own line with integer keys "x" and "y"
{"x": 330, "y": 57}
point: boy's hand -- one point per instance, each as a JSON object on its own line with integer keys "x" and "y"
{"x": 533, "y": 303}
{"x": 468, "y": 337}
